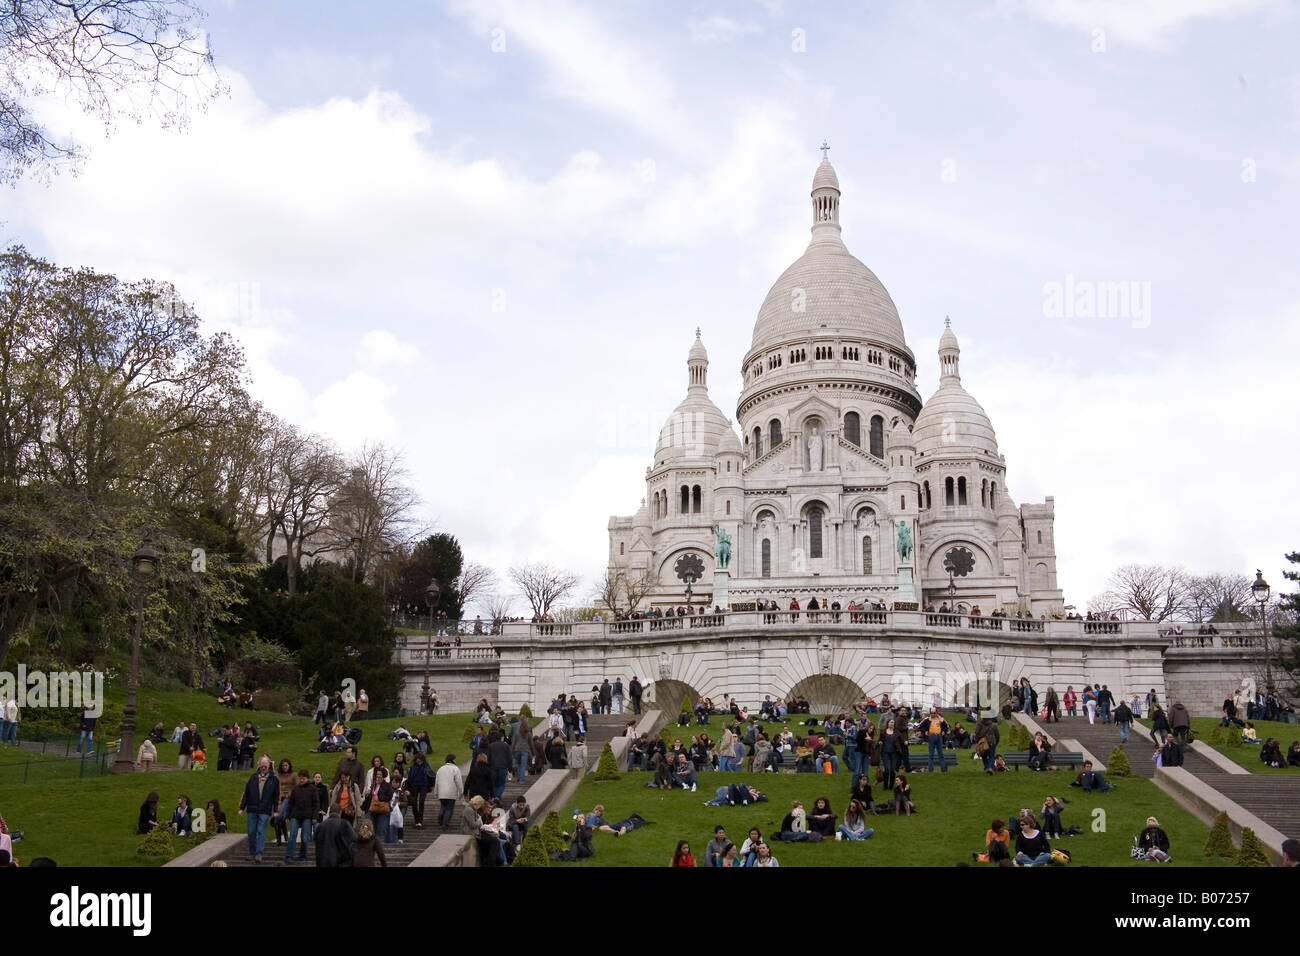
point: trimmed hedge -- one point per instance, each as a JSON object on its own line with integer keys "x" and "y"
{"x": 1252, "y": 851}
{"x": 607, "y": 768}
{"x": 1219, "y": 842}
{"x": 1117, "y": 764}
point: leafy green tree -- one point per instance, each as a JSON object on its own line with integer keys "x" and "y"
{"x": 607, "y": 768}
{"x": 438, "y": 557}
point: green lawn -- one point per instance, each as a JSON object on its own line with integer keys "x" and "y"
{"x": 1248, "y": 754}
{"x": 90, "y": 821}
{"x": 954, "y": 810}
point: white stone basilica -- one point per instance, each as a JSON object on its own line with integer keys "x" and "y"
{"x": 839, "y": 459}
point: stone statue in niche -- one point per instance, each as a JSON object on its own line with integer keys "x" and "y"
{"x": 665, "y": 666}
{"x": 815, "y": 450}
{"x": 825, "y": 654}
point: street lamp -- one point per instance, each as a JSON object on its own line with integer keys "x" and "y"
{"x": 144, "y": 564}
{"x": 1261, "y": 591}
{"x": 431, "y": 598}
{"x": 356, "y": 548}
{"x": 987, "y": 666}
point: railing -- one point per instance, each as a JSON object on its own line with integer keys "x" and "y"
{"x": 708, "y": 620}
{"x": 445, "y": 655}
{"x": 554, "y": 630}
{"x": 868, "y": 617}
{"x": 1022, "y": 627}
{"x": 943, "y": 620}
{"x": 444, "y": 628}
{"x": 1102, "y": 627}
{"x": 1236, "y": 641}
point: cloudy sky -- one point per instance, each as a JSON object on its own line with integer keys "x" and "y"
{"x": 485, "y": 232}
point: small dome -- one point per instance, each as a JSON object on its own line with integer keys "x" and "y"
{"x": 825, "y": 177}
{"x": 952, "y": 421}
{"x": 730, "y": 443}
{"x": 698, "y": 352}
{"x": 948, "y": 341}
{"x": 1006, "y": 507}
{"x": 695, "y": 429}
{"x": 900, "y": 436}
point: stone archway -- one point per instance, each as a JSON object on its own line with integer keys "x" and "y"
{"x": 827, "y": 693}
{"x": 667, "y": 695}
{"x": 988, "y": 692}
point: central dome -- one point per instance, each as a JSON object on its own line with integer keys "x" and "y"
{"x": 827, "y": 289}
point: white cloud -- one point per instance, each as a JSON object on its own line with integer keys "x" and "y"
{"x": 1153, "y": 24}
{"x": 380, "y": 347}
{"x": 719, "y": 29}
{"x": 353, "y": 411}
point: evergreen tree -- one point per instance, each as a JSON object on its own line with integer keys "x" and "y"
{"x": 533, "y": 851}
{"x": 1219, "y": 842}
{"x": 607, "y": 768}
{"x": 551, "y": 833}
{"x": 1252, "y": 852}
{"x": 1117, "y": 764}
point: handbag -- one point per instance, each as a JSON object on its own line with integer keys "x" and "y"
{"x": 380, "y": 806}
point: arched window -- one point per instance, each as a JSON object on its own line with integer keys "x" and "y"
{"x": 767, "y": 558}
{"x": 774, "y": 433}
{"x": 984, "y": 493}
{"x": 853, "y": 429}
{"x": 620, "y": 547}
{"x": 695, "y": 499}
{"x": 728, "y": 506}
{"x": 947, "y": 492}
{"x": 866, "y": 555}
{"x": 728, "y": 464}
{"x": 686, "y": 500}
{"x": 925, "y": 488}
{"x": 1040, "y": 537}
{"x": 656, "y": 506}
{"x": 961, "y": 490}
{"x": 993, "y": 495}
{"x": 814, "y": 532}
{"x": 758, "y": 443}
{"x": 877, "y": 436}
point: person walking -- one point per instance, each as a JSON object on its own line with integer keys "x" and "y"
{"x": 302, "y": 807}
{"x": 379, "y": 803}
{"x": 1090, "y": 703}
{"x": 1053, "y": 706}
{"x": 418, "y": 783}
{"x": 351, "y": 765}
{"x": 1123, "y": 720}
{"x": 447, "y": 787}
{"x": 190, "y": 739}
{"x": 634, "y": 692}
{"x": 521, "y": 748}
{"x": 936, "y": 728}
{"x": 87, "y": 733}
{"x": 1105, "y": 701}
{"x": 349, "y": 704}
{"x": 322, "y": 708}
{"x": 499, "y": 757}
{"x": 146, "y": 755}
{"x": 606, "y": 696}
{"x": 12, "y": 718}
{"x": 260, "y": 803}
{"x": 618, "y": 695}
{"x": 1180, "y": 721}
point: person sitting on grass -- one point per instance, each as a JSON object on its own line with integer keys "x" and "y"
{"x": 822, "y": 818}
{"x": 1091, "y": 780}
{"x": 715, "y": 846}
{"x": 861, "y": 792}
{"x": 1271, "y": 753}
{"x": 182, "y": 823}
{"x": 729, "y": 857}
{"x": 665, "y": 773}
{"x": 148, "y": 814}
{"x": 765, "y": 857}
{"x": 1153, "y": 843}
{"x": 1052, "y": 808}
{"x": 855, "y": 826}
{"x": 596, "y": 820}
{"x": 1248, "y": 735}
{"x": 794, "y": 826}
{"x": 1032, "y": 848}
{"x": 961, "y": 739}
{"x": 580, "y": 846}
{"x": 682, "y": 856}
{"x": 684, "y": 774}
{"x": 1293, "y": 754}
{"x": 999, "y": 764}
{"x": 749, "y": 849}
{"x": 903, "y": 796}
{"x": 997, "y": 844}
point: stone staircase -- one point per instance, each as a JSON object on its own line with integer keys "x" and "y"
{"x": 1100, "y": 739}
{"x": 602, "y": 729}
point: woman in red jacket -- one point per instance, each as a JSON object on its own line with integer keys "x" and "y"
{"x": 683, "y": 856}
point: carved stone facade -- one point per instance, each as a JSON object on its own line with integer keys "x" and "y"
{"x": 836, "y": 452}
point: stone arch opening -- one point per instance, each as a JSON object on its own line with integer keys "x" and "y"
{"x": 986, "y": 692}
{"x": 667, "y": 695}
{"x": 827, "y": 693}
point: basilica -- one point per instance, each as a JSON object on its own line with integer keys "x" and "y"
{"x": 842, "y": 484}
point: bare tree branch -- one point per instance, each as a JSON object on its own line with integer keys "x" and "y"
{"x": 543, "y": 585}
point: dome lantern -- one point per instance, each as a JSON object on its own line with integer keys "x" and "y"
{"x": 825, "y": 197}
{"x": 949, "y": 353}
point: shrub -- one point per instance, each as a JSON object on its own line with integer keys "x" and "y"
{"x": 525, "y": 712}
{"x": 1219, "y": 842}
{"x": 1252, "y": 851}
{"x": 1234, "y": 737}
{"x": 471, "y": 731}
{"x": 533, "y": 851}
{"x": 272, "y": 701}
{"x": 1018, "y": 736}
{"x": 1117, "y": 764}
{"x": 607, "y": 768}
{"x": 686, "y": 705}
{"x": 1217, "y": 736}
{"x": 156, "y": 843}
{"x": 551, "y": 833}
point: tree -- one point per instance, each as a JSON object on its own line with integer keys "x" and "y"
{"x": 1117, "y": 764}
{"x": 115, "y": 59}
{"x": 1219, "y": 842}
{"x": 1284, "y": 628}
{"x": 608, "y": 588}
{"x": 498, "y": 605}
{"x": 637, "y": 586}
{"x": 438, "y": 557}
{"x": 543, "y": 585}
{"x": 113, "y": 409}
{"x": 474, "y": 583}
{"x": 1151, "y": 592}
{"x": 308, "y": 475}
{"x": 607, "y": 767}
{"x": 1252, "y": 852}
{"x": 1218, "y": 598}
{"x": 373, "y": 507}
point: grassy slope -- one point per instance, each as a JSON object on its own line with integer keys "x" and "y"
{"x": 1248, "y": 754}
{"x": 91, "y": 821}
{"x": 954, "y": 811}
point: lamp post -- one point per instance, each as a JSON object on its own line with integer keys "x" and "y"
{"x": 988, "y": 667}
{"x": 1261, "y": 592}
{"x": 144, "y": 564}
{"x": 357, "y": 575}
{"x": 431, "y": 597}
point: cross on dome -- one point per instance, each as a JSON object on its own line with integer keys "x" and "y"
{"x": 824, "y": 148}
